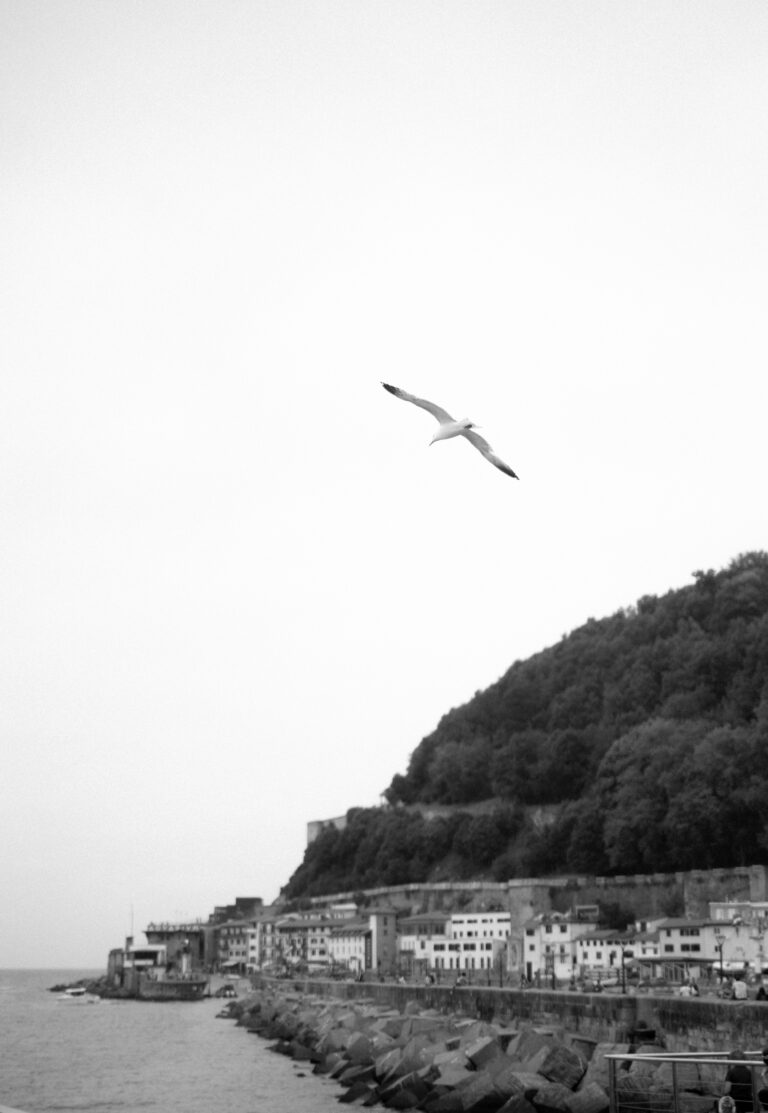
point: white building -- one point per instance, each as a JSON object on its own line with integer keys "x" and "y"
{"x": 466, "y": 955}
{"x": 741, "y": 928}
{"x": 366, "y": 943}
{"x": 414, "y": 934}
{"x": 459, "y": 941}
{"x": 717, "y": 945}
{"x": 480, "y": 925}
{"x": 550, "y": 945}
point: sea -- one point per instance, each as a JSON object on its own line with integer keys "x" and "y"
{"x": 139, "y": 1056}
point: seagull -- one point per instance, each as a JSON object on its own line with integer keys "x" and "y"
{"x": 450, "y": 428}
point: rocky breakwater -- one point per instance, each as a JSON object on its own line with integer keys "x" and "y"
{"x": 418, "y": 1059}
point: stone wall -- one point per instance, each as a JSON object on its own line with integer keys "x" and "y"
{"x": 648, "y": 896}
{"x": 686, "y": 1024}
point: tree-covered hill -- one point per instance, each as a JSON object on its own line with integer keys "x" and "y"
{"x": 648, "y": 730}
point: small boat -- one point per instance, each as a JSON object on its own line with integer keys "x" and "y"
{"x": 79, "y": 994}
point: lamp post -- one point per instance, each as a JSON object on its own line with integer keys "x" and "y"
{"x": 719, "y": 941}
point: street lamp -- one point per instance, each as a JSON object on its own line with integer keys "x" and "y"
{"x": 719, "y": 941}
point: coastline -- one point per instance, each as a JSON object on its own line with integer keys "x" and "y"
{"x": 415, "y": 1057}
{"x": 400, "y": 1054}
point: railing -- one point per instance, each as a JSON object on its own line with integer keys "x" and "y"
{"x": 680, "y": 1082}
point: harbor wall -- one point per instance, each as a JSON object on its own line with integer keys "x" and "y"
{"x": 649, "y": 895}
{"x": 684, "y": 1023}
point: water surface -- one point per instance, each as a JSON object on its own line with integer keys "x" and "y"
{"x": 139, "y": 1057}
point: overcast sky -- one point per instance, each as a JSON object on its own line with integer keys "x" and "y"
{"x": 237, "y": 585}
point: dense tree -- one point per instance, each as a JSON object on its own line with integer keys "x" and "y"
{"x": 646, "y": 731}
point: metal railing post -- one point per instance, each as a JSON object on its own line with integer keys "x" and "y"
{"x": 675, "y": 1094}
{"x": 612, "y": 1099}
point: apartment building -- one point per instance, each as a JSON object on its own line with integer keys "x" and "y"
{"x": 366, "y": 943}
{"x": 550, "y": 945}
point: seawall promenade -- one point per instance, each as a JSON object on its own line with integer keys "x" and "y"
{"x": 686, "y": 1023}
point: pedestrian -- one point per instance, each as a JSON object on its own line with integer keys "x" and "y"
{"x": 739, "y": 1079}
{"x": 739, "y": 989}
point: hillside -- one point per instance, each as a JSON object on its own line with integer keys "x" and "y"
{"x": 645, "y": 733}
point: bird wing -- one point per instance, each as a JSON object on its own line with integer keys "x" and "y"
{"x": 481, "y": 444}
{"x": 436, "y": 411}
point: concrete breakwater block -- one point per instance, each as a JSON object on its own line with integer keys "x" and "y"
{"x": 530, "y": 1082}
{"x": 591, "y": 1098}
{"x": 563, "y": 1065}
{"x": 517, "y": 1104}
{"x": 359, "y": 1048}
{"x": 536, "y": 1062}
{"x": 453, "y": 1075}
{"x": 417, "y": 1082}
{"x": 302, "y": 1052}
{"x": 507, "y": 1082}
{"x": 356, "y": 1074}
{"x": 326, "y": 1063}
{"x": 356, "y": 1094}
{"x": 598, "y": 1069}
{"x": 478, "y": 1092}
{"x": 388, "y": 1062}
{"x": 552, "y": 1096}
{"x": 403, "y": 1099}
{"x": 528, "y": 1043}
{"x": 484, "y": 1050}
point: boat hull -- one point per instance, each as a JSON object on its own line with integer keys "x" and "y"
{"x": 171, "y": 989}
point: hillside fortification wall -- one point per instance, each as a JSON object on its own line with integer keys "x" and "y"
{"x": 647, "y": 895}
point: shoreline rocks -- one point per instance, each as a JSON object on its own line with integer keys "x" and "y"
{"x": 422, "y": 1059}
{"x": 419, "y": 1058}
